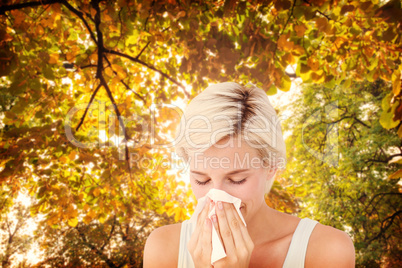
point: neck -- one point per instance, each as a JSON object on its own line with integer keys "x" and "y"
{"x": 262, "y": 226}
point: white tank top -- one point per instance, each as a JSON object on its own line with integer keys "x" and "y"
{"x": 294, "y": 258}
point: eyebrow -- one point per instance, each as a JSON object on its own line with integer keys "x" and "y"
{"x": 228, "y": 174}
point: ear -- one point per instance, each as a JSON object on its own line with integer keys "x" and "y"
{"x": 271, "y": 173}
{"x": 270, "y": 179}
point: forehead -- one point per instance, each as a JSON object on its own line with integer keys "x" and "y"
{"x": 227, "y": 154}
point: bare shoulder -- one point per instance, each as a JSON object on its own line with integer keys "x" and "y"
{"x": 330, "y": 247}
{"x": 162, "y": 247}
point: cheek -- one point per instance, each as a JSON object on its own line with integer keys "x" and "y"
{"x": 251, "y": 191}
{"x": 198, "y": 190}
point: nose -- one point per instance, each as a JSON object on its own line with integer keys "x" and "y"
{"x": 218, "y": 184}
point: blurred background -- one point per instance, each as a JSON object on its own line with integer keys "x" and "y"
{"x": 91, "y": 93}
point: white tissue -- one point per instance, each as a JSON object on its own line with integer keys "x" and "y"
{"x": 218, "y": 251}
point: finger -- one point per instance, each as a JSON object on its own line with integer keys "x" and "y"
{"x": 206, "y": 239}
{"x": 235, "y": 225}
{"x": 204, "y": 213}
{"x": 224, "y": 228}
{"x": 200, "y": 222}
{"x": 244, "y": 230}
{"x": 201, "y": 249}
{"x": 216, "y": 226}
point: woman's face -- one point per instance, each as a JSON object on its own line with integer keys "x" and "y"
{"x": 233, "y": 166}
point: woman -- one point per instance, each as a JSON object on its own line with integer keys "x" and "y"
{"x": 230, "y": 137}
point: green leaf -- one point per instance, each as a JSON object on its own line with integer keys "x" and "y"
{"x": 48, "y": 72}
{"x": 285, "y": 83}
{"x": 272, "y": 90}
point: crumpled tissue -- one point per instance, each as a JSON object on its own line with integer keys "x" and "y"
{"x": 218, "y": 251}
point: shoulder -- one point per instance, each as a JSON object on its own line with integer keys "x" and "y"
{"x": 329, "y": 247}
{"x": 162, "y": 247}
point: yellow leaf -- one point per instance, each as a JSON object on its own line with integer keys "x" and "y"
{"x": 56, "y": 8}
{"x": 63, "y": 159}
{"x": 87, "y": 219}
{"x": 106, "y": 17}
{"x": 318, "y": 78}
{"x": 94, "y": 57}
{"x": 284, "y": 44}
{"x": 72, "y": 155}
{"x": 115, "y": 80}
{"x": 96, "y": 192}
{"x": 119, "y": 70}
{"x": 109, "y": 72}
{"x": 396, "y": 82}
{"x": 102, "y": 218}
{"x": 288, "y": 59}
{"x": 300, "y": 30}
{"x": 53, "y": 220}
{"x": 321, "y": 23}
{"x": 396, "y": 175}
{"x": 72, "y": 212}
{"x": 285, "y": 83}
{"x": 19, "y": 17}
{"x": 313, "y": 64}
{"x": 39, "y": 30}
{"x": 180, "y": 214}
{"x": 181, "y": 14}
{"x": 388, "y": 112}
{"x": 72, "y": 222}
{"x": 91, "y": 214}
{"x": 272, "y": 90}
{"x": 53, "y": 58}
{"x": 400, "y": 132}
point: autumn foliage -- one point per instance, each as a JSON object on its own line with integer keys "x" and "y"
{"x": 86, "y": 86}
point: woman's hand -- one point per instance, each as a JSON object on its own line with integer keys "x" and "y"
{"x": 234, "y": 235}
{"x": 200, "y": 244}
{"x": 236, "y": 240}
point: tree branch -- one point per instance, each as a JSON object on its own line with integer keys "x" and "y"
{"x": 388, "y": 222}
{"x": 124, "y": 83}
{"x": 118, "y": 114}
{"x": 95, "y": 5}
{"x": 99, "y": 75}
{"x": 86, "y": 110}
{"x": 81, "y": 16}
{"x": 110, "y": 234}
{"x": 284, "y": 27}
{"x": 149, "y": 15}
{"x": 4, "y": 9}
{"x": 347, "y": 117}
{"x": 361, "y": 122}
{"x": 146, "y": 65}
{"x": 142, "y": 50}
{"x": 290, "y": 16}
{"x": 389, "y": 158}
{"x": 88, "y": 66}
{"x": 381, "y": 194}
{"x": 98, "y": 252}
{"x": 328, "y": 18}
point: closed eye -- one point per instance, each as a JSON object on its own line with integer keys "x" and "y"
{"x": 238, "y": 182}
{"x": 201, "y": 182}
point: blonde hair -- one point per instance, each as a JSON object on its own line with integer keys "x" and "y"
{"x": 228, "y": 110}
